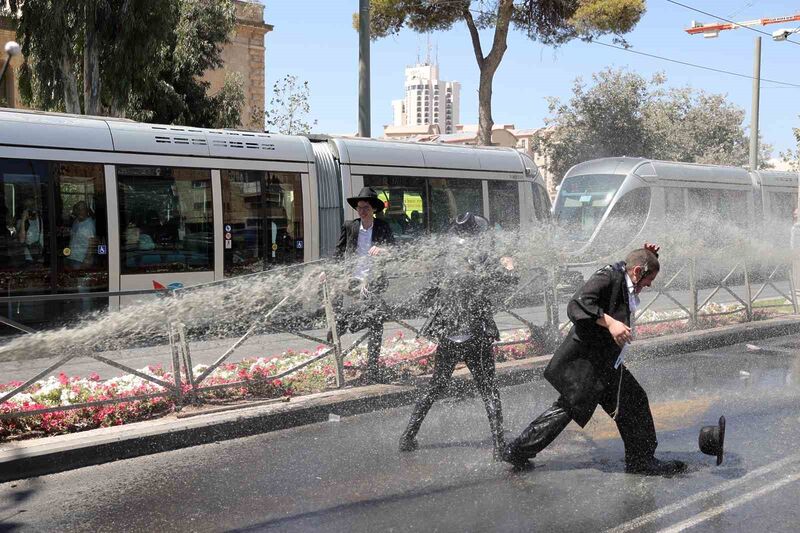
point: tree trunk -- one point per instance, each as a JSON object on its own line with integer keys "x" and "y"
{"x": 488, "y": 65}
{"x": 72, "y": 103}
{"x": 91, "y": 63}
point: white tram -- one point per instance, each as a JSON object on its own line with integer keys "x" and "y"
{"x": 646, "y": 193}
{"x": 98, "y": 204}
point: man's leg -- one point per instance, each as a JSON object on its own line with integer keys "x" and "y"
{"x": 538, "y": 435}
{"x": 481, "y": 364}
{"x": 636, "y": 427}
{"x": 443, "y": 367}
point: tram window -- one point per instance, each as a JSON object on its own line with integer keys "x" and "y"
{"x": 626, "y": 218}
{"x": 674, "y": 204}
{"x": 504, "y": 204}
{"x": 541, "y": 203}
{"x": 406, "y": 203}
{"x": 450, "y": 197}
{"x": 25, "y": 236}
{"x": 166, "y": 222}
{"x": 781, "y": 206}
{"x": 727, "y": 205}
{"x": 265, "y": 213}
{"x": 582, "y": 202}
{"x": 81, "y": 234}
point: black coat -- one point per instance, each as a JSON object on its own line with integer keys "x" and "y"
{"x": 348, "y": 243}
{"x": 348, "y": 239}
{"x": 583, "y": 366}
{"x": 462, "y": 303}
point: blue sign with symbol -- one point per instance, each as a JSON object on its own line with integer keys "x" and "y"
{"x": 102, "y": 249}
{"x": 227, "y": 227}
{"x": 299, "y": 245}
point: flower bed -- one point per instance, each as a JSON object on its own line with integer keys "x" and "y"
{"x": 401, "y": 358}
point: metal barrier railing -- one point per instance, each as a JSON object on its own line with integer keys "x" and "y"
{"x": 189, "y": 390}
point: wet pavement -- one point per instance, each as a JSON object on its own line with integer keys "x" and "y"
{"x": 347, "y": 475}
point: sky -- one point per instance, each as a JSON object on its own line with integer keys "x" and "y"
{"x": 314, "y": 40}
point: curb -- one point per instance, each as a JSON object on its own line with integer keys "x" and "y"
{"x": 23, "y": 459}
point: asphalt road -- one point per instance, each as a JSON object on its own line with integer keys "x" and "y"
{"x": 347, "y": 475}
{"x": 207, "y": 351}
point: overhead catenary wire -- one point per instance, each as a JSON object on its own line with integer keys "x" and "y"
{"x": 694, "y": 65}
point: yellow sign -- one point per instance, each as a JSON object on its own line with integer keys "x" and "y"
{"x": 274, "y": 247}
{"x": 67, "y": 251}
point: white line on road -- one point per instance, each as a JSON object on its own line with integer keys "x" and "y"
{"x": 736, "y": 502}
{"x": 669, "y": 509}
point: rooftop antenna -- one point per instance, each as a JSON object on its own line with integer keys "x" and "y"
{"x": 428, "y": 56}
{"x": 436, "y": 52}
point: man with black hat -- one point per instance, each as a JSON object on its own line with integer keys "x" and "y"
{"x": 462, "y": 324}
{"x": 587, "y": 369}
{"x": 362, "y": 239}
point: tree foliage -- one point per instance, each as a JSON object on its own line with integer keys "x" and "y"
{"x": 552, "y": 22}
{"x": 289, "y": 107}
{"x": 623, "y": 114}
{"x": 136, "y": 58}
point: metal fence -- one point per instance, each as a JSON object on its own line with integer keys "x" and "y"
{"x": 682, "y": 289}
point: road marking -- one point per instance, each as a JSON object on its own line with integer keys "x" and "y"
{"x": 669, "y": 509}
{"x": 736, "y": 502}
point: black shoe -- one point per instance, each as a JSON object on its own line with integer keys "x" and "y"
{"x": 655, "y": 467}
{"x": 517, "y": 461}
{"x": 408, "y": 445}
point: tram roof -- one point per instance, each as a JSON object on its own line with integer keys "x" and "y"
{"x": 651, "y": 170}
{"x": 353, "y": 151}
{"x": 107, "y": 134}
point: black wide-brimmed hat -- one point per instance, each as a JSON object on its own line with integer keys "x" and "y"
{"x": 470, "y": 223}
{"x": 712, "y": 439}
{"x": 367, "y": 194}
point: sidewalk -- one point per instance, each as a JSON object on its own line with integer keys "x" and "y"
{"x": 23, "y": 459}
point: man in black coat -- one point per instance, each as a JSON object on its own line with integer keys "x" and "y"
{"x": 462, "y": 324}
{"x": 360, "y": 240}
{"x": 587, "y": 369}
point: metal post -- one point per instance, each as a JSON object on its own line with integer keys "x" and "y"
{"x": 748, "y": 289}
{"x": 363, "y": 70}
{"x": 186, "y": 355}
{"x": 693, "y": 290}
{"x": 337, "y": 346}
{"x": 176, "y": 366}
{"x": 754, "y": 114}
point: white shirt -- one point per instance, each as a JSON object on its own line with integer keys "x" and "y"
{"x": 83, "y": 231}
{"x": 633, "y": 304}
{"x": 363, "y": 261}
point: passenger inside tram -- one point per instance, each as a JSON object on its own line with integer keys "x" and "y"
{"x": 30, "y": 232}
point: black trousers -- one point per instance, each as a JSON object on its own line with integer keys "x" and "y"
{"x": 634, "y": 421}
{"x": 480, "y": 361}
{"x": 365, "y": 318}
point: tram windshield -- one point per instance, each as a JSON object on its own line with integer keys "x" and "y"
{"x": 582, "y": 201}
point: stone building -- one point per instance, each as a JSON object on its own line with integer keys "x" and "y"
{"x": 245, "y": 55}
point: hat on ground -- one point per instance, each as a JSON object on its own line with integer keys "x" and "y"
{"x": 367, "y": 194}
{"x": 470, "y": 223}
{"x": 712, "y": 438}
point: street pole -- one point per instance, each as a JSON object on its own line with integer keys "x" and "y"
{"x": 363, "y": 70}
{"x": 12, "y": 49}
{"x": 754, "y": 115}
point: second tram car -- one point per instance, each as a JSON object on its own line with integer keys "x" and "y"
{"x": 643, "y": 192}
{"x": 95, "y": 204}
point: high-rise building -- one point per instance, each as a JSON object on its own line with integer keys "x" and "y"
{"x": 428, "y": 100}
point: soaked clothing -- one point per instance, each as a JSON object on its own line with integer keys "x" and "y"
{"x": 369, "y": 313}
{"x": 583, "y": 371}
{"x": 462, "y": 323}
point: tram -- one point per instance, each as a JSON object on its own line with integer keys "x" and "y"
{"x": 97, "y": 204}
{"x": 598, "y": 194}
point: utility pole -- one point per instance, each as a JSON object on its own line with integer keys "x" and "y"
{"x": 754, "y": 112}
{"x": 363, "y": 70}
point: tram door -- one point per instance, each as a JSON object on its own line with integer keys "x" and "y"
{"x": 53, "y": 240}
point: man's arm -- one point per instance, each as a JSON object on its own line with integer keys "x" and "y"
{"x": 341, "y": 246}
{"x": 619, "y": 331}
{"x": 586, "y": 304}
